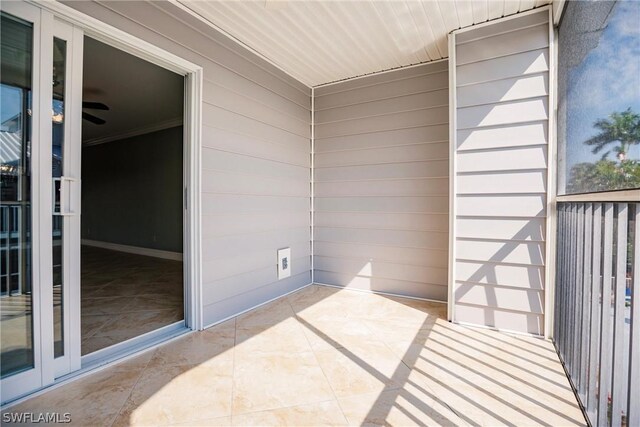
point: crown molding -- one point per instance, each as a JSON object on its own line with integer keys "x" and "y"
{"x": 134, "y": 132}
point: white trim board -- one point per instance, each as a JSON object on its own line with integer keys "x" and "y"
{"x": 155, "y": 253}
{"x": 375, "y": 73}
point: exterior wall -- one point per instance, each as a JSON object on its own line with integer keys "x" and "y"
{"x": 255, "y": 157}
{"x": 381, "y": 182}
{"x": 501, "y": 161}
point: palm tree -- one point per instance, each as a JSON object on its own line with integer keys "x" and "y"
{"x": 623, "y": 128}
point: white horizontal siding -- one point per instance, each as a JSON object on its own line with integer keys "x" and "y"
{"x": 501, "y": 228}
{"x": 423, "y": 169}
{"x": 392, "y": 138}
{"x": 511, "y": 320}
{"x": 532, "y": 181}
{"x": 381, "y": 182}
{"x": 501, "y": 161}
{"x": 383, "y": 253}
{"x": 390, "y": 187}
{"x": 524, "y": 276}
{"x": 516, "y": 135}
{"x": 255, "y": 157}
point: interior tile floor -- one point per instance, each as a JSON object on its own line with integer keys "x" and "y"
{"x": 125, "y": 295}
{"x": 324, "y": 356}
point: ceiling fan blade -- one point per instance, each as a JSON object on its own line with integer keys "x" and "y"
{"x": 93, "y": 119}
{"x": 94, "y": 105}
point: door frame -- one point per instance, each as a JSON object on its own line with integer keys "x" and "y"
{"x": 192, "y": 119}
{"x": 48, "y": 16}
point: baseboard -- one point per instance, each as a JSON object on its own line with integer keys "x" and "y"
{"x": 256, "y": 306}
{"x": 156, "y": 253}
{"x": 369, "y": 291}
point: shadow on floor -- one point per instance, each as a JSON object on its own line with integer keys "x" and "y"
{"x": 324, "y": 356}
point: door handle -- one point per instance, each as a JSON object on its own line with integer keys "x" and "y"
{"x": 67, "y": 202}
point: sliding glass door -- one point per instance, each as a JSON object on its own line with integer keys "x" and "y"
{"x": 39, "y": 214}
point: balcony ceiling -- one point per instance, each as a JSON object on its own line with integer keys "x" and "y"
{"x": 319, "y": 42}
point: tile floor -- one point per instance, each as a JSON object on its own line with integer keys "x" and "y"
{"x": 324, "y": 356}
{"x": 126, "y": 295}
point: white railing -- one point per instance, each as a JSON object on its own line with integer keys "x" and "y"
{"x": 12, "y": 245}
{"x": 597, "y": 307}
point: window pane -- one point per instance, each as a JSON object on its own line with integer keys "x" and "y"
{"x": 59, "y": 78}
{"x": 599, "y": 97}
{"x": 16, "y": 305}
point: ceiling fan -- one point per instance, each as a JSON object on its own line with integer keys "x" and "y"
{"x": 93, "y": 106}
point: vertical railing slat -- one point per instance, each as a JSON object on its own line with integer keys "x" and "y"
{"x": 605, "y": 331}
{"x": 618, "y": 379}
{"x": 586, "y": 302}
{"x": 570, "y": 284}
{"x": 596, "y": 283}
{"x": 633, "y": 407}
{"x": 558, "y": 279}
{"x": 579, "y": 261}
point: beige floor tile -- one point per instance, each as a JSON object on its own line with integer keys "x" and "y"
{"x": 275, "y": 380}
{"x": 487, "y": 390}
{"x": 92, "y": 323}
{"x": 106, "y": 305}
{"x": 211, "y": 422}
{"x": 211, "y": 347}
{"x": 266, "y": 316}
{"x": 138, "y": 362}
{"x": 359, "y": 369}
{"x": 154, "y": 302}
{"x": 390, "y": 362}
{"x": 315, "y": 414}
{"x": 126, "y": 295}
{"x": 336, "y": 333}
{"x": 285, "y": 336}
{"x": 397, "y": 408}
{"x": 91, "y": 401}
{"x": 387, "y": 332}
{"x": 310, "y": 296}
{"x": 177, "y": 394}
{"x": 324, "y": 303}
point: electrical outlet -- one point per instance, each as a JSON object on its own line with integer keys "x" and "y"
{"x": 284, "y": 263}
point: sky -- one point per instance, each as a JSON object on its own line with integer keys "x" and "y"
{"x": 607, "y": 80}
{"x": 10, "y": 100}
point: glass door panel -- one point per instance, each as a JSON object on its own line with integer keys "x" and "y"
{"x": 65, "y": 146}
{"x": 40, "y": 115}
{"x": 57, "y": 169}
{"x": 16, "y": 300}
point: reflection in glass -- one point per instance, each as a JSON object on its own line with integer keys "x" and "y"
{"x": 599, "y": 97}
{"x": 16, "y": 305}
{"x": 59, "y": 74}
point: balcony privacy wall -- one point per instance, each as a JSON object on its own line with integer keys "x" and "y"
{"x": 255, "y": 157}
{"x": 381, "y": 182}
{"x": 501, "y": 160}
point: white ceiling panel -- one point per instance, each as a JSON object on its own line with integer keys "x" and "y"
{"x": 322, "y": 41}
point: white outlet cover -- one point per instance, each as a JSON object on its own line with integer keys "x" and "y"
{"x": 284, "y": 263}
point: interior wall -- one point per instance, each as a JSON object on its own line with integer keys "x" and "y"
{"x": 381, "y": 182}
{"x": 255, "y": 157}
{"x": 501, "y": 160}
{"x": 132, "y": 191}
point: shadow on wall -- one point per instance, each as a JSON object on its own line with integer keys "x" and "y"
{"x": 502, "y": 134}
{"x": 487, "y": 274}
